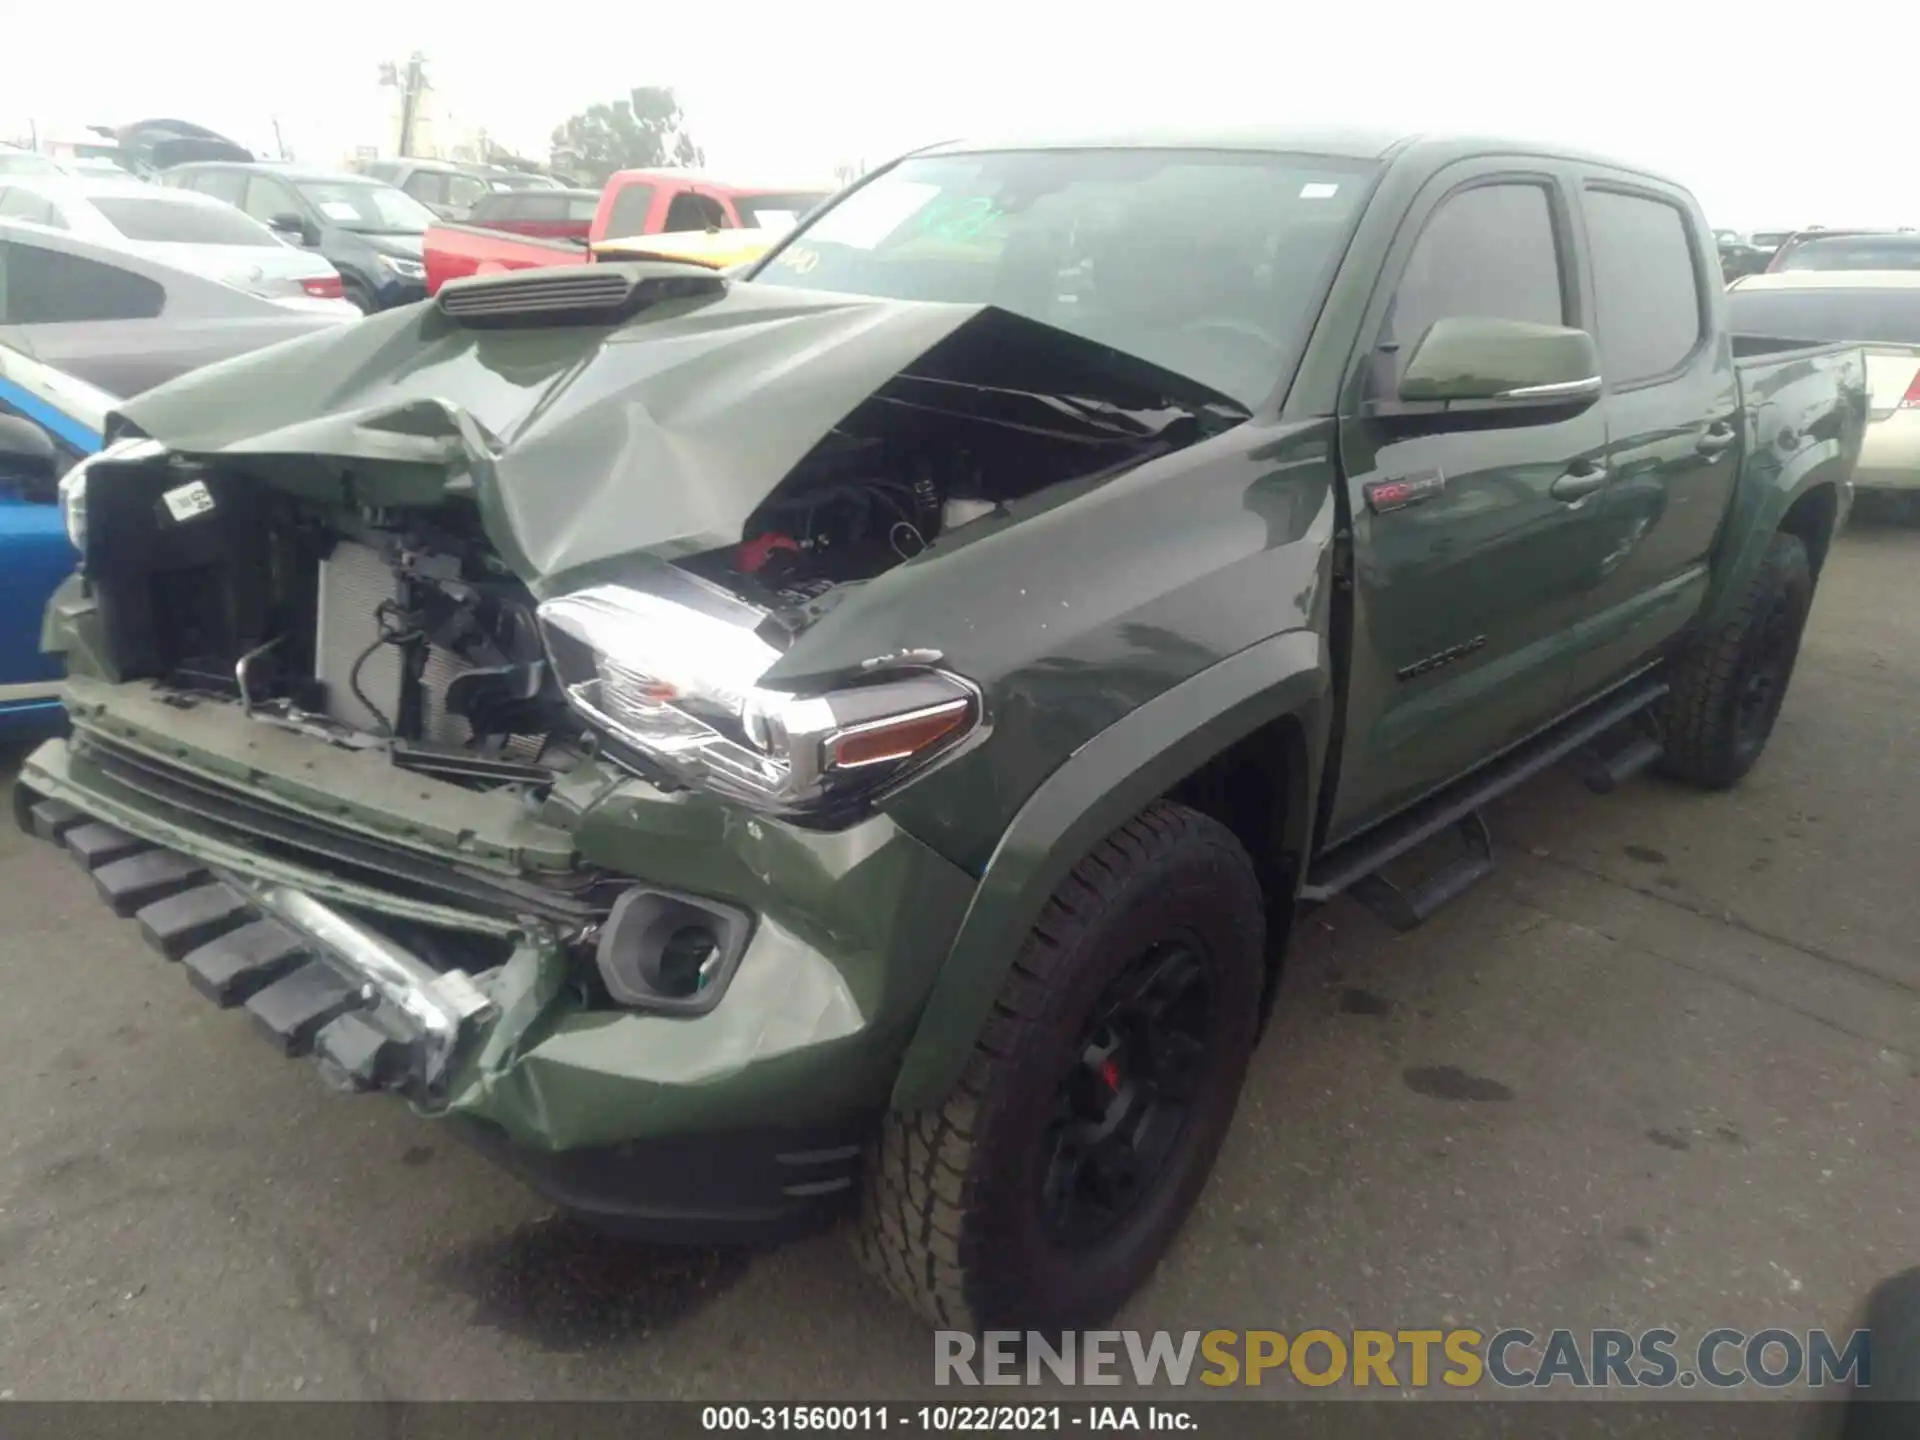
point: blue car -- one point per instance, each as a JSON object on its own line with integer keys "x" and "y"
{"x": 48, "y": 421}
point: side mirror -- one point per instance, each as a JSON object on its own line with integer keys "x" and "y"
{"x": 27, "y": 452}
{"x": 291, "y": 226}
{"x": 1501, "y": 364}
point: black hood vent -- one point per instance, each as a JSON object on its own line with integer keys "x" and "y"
{"x": 587, "y": 295}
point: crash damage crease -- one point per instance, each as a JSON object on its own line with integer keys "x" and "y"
{"x": 364, "y": 593}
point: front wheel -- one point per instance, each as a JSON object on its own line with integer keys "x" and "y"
{"x": 1727, "y": 691}
{"x": 1045, "y": 1189}
{"x": 359, "y": 297}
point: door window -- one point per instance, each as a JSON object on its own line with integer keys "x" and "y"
{"x": 227, "y": 185}
{"x": 1646, "y": 287}
{"x": 427, "y": 186}
{"x": 1489, "y": 251}
{"x": 40, "y": 286}
{"x": 690, "y": 210}
{"x": 465, "y": 191}
{"x": 267, "y": 197}
{"x": 631, "y": 206}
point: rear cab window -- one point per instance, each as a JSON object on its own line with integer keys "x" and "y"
{"x": 1650, "y": 304}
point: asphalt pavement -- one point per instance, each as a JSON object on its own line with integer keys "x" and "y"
{"x": 1662, "y": 1068}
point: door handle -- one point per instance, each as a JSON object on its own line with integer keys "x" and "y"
{"x": 1579, "y": 482}
{"x": 1718, "y": 437}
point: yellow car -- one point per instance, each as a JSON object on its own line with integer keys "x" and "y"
{"x": 721, "y": 249}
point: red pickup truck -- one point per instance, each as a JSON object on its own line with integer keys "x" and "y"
{"x": 634, "y": 202}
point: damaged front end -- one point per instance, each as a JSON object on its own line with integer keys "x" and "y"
{"x": 441, "y": 689}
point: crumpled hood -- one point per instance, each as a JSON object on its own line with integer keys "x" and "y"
{"x": 582, "y": 444}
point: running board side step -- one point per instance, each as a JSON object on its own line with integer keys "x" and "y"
{"x": 1457, "y": 808}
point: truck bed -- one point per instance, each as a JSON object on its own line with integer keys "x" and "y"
{"x": 451, "y": 251}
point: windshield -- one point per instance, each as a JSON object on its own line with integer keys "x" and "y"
{"x": 1860, "y": 315}
{"x": 1207, "y": 263}
{"x": 179, "y": 222}
{"x": 1859, "y": 252}
{"x": 1771, "y": 239}
{"x": 367, "y": 206}
{"x": 776, "y": 212}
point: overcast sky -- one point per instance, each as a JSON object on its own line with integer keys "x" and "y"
{"x": 1771, "y": 124}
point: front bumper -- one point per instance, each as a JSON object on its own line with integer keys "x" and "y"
{"x": 744, "y": 1122}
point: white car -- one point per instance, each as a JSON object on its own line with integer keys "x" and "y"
{"x": 178, "y": 228}
{"x": 15, "y": 161}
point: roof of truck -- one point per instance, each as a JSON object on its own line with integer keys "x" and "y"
{"x": 1343, "y": 142}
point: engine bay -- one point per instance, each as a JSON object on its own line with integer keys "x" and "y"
{"x": 403, "y": 631}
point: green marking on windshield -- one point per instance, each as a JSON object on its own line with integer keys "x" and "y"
{"x": 958, "y": 217}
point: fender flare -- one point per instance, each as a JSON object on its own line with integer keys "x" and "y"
{"x": 1101, "y": 785}
{"x": 1757, "y": 514}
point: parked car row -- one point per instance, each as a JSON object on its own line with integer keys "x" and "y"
{"x": 84, "y": 326}
{"x": 190, "y": 231}
{"x": 450, "y": 189}
{"x": 1816, "y": 247}
{"x": 364, "y": 228}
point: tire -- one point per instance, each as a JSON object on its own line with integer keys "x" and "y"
{"x": 1727, "y": 690}
{"x": 1167, "y": 909}
{"x": 1889, "y": 1408}
{"x": 358, "y": 297}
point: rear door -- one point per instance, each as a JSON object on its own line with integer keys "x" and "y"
{"x": 1672, "y": 408}
{"x": 1462, "y": 601}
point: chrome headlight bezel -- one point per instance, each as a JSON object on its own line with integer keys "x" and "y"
{"x": 402, "y": 267}
{"x": 669, "y": 678}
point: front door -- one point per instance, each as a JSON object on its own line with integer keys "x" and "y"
{"x": 1464, "y": 598}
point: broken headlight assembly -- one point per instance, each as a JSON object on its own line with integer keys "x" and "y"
{"x": 73, "y": 484}
{"x": 672, "y": 680}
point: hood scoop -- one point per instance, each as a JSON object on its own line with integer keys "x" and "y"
{"x": 590, "y": 295}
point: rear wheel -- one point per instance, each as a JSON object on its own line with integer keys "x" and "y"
{"x": 1727, "y": 691}
{"x": 1045, "y": 1189}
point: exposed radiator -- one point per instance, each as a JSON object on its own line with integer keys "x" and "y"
{"x": 354, "y": 581}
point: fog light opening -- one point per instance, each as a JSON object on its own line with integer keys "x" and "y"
{"x": 666, "y": 952}
{"x": 684, "y": 964}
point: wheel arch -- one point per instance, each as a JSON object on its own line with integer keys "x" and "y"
{"x": 1807, "y": 500}
{"x": 1247, "y": 731}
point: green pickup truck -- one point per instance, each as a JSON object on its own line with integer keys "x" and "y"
{"x": 858, "y": 738}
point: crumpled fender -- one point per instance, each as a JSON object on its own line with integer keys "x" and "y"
{"x": 1108, "y": 780}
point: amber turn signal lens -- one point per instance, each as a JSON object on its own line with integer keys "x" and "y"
{"x": 895, "y": 738}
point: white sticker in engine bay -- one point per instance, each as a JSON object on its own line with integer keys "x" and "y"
{"x": 185, "y": 502}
